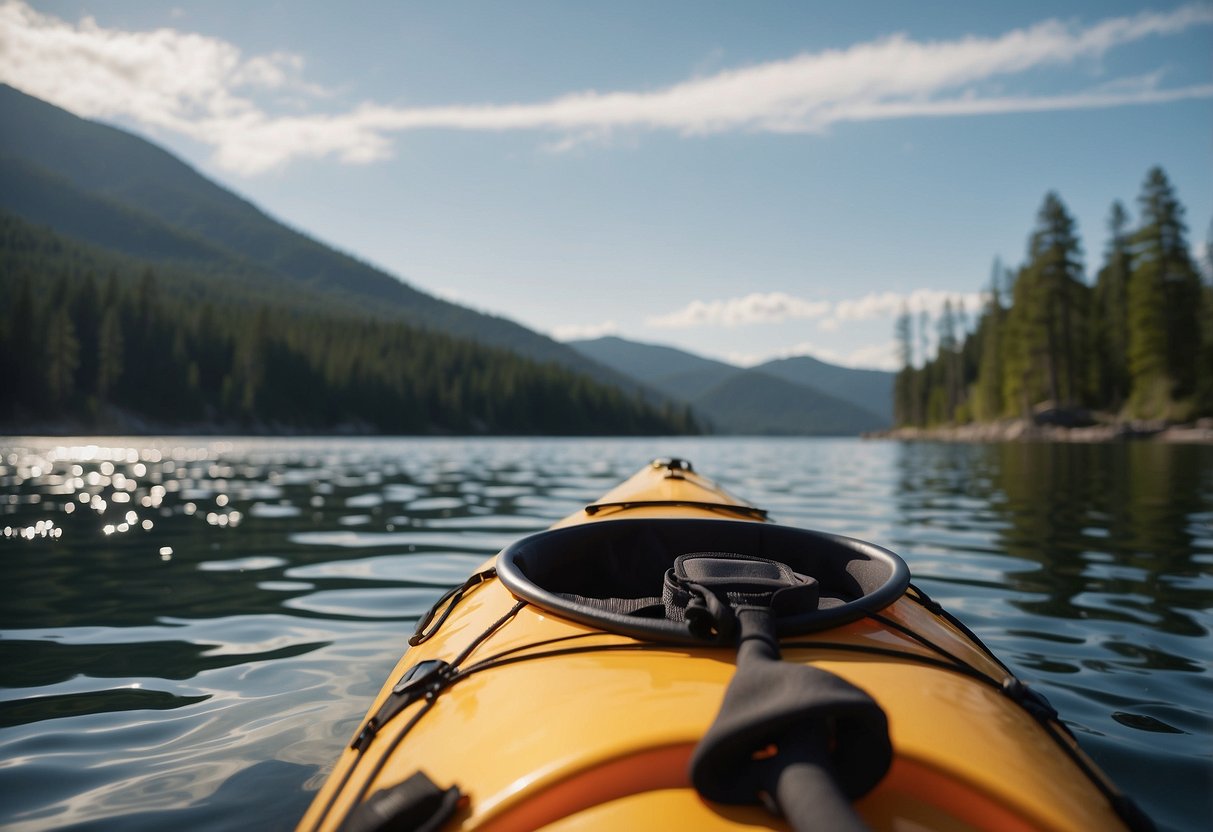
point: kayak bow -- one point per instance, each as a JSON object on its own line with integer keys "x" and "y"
{"x": 669, "y": 658}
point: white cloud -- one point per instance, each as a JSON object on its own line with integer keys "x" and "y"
{"x": 890, "y": 304}
{"x": 754, "y": 308}
{"x": 876, "y": 357}
{"x": 1202, "y": 256}
{"x": 580, "y": 332}
{"x": 206, "y": 89}
{"x": 773, "y": 307}
{"x": 196, "y": 86}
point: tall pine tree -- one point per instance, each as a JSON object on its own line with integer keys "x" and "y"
{"x": 1110, "y": 332}
{"x": 1048, "y": 318}
{"x": 987, "y": 394}
{"x": 1164, "y": 305}
{"x": 903, "y": 385}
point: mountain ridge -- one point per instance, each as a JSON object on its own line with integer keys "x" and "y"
{"x": 870, "y": 389}
{"x": 739, "y": 400}
{"x": 122, "y": 169}
{"x": 754, "y": 402}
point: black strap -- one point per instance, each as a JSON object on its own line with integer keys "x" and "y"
{"x": 454, "y": 595}
{"x": 423, "y": 680}
{"x": 416, "y": 805}
{"x": 707, "y": 616}
{"x": 796, "y": 738}
{"x": 640, "y": 607}
{"x": 704, "y": 588}
{"x": 744, "y": 511}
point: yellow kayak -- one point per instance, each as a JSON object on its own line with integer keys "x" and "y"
{"x": 669, "y": 658}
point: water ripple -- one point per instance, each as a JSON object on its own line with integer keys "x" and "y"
{"x": 190, "y": 629}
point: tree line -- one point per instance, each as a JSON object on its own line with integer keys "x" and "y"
{"x": 131, "y": 347}
{"x": 1137, "y": 344}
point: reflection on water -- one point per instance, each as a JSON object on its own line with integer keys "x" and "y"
{"x": 189, "y": 629}
{"x": 1089, "y": 568}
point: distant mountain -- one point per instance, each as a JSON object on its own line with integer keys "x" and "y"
{"x": 752, "y": 402}
{"x": 650, "y": 363}
{"x": 870, "y": 389}
{"x": 691, "y": 385}
{"x": 801, "y": 396}
{"x": 103, "y": 186}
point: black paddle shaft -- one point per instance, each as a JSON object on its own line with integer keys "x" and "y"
{"x": 797, "y": 736}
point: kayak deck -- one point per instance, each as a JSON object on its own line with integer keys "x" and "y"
{"x": 553, "y": 723}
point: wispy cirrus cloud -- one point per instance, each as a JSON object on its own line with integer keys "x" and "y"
{"x": 774, "y": 307}
{"x": 258, "y": 112}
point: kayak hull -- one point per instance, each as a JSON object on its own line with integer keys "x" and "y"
{"x": 566, "y": 726}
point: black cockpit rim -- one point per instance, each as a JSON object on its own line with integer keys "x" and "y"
{"x": 588, "y": 573}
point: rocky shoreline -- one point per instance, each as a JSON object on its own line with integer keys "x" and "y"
{"x": 1030, "y": 430}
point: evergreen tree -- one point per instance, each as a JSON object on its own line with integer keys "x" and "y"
{"x": 903, "y": 384}
{"x": 1165, "y": 304}
{"x": 948, "y": 356}
{"x": 22, "y": 360}
{"x": 85, "y": 311}
{"x": 922, "y": 380}
{"x": 1204, "y": 376}
{"x": 62, "y": 356}
{"x": 987, "y": 395}
{"x": 969, "y": 362}
{"x": 1203, "y": 398}
{"x": 110, "y": 295}
{"x": 1111, "y": 323}
{"x": 147, "y": 299}
{"x": 1017, "y": 389}
{"x": 1048, "y": 315}
{"x": 109, "y": 353}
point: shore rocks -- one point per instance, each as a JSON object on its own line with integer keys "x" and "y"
{"x": 1034, "y": 430}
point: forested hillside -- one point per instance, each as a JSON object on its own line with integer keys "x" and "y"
{"x": 103, "y": 186}
{"x": 93, "y": 340}
{"x": 1136, "y": 344}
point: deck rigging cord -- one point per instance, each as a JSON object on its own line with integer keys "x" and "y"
{"x": 429, "y": 694}
{"x": 448, "y": 674}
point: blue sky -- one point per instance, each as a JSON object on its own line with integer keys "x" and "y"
{"x": 743, "y": 180}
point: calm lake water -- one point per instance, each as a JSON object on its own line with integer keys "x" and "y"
{"x": 191, "y": 629}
